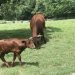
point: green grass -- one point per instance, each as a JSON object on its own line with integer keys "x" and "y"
{"x": 56, "y": 57}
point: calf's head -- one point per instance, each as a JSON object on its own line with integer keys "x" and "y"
{"x": 29, "y": 43}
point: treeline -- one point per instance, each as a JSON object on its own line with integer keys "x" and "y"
{"x": 24, "y": 9}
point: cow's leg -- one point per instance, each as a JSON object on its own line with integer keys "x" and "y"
{"x": 14, "y": 58}
{"x": 3, "y": 59}
{"x": 43, "y": 37}
{"x": 44, "y": 25}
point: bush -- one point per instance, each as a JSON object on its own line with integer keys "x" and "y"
{"x": 24, "y": 9}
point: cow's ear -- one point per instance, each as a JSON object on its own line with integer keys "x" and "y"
{"x": 30, "y": 38}
{"x": 39, "y": 36}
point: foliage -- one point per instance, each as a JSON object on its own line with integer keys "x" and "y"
{"x": 24, "y": 9}
{"x": 15, "y": 10}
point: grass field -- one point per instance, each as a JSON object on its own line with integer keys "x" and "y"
{"x": 56, "y": 57}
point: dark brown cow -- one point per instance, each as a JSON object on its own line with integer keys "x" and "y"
{"x": 37, "y": 25}
{"x": 16, "y": 46}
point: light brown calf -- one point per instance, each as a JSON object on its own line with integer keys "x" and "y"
{"x": 16, "y": 46}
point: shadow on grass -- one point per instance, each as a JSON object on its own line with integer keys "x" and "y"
{"x": 20, "y": 33}
{"x": 26, "y": 33}
{"x": 53, "y": 29}
{"x": 49, "y": 31}
{"x": 23, "y": 63}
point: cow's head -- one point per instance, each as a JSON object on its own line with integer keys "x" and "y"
{"x": 37, "y": 40}
{"x": 29, "y": 43}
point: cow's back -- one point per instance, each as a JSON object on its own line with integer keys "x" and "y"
{"x": 40, "y": 20}
{"x": 37, "y": 24}
{"x": 37, "y": 19}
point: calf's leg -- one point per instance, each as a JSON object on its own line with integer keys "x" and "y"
{"x": 19, "y": 57}
{"x": 3, "y": 59}
{"x": 14, "y": 58}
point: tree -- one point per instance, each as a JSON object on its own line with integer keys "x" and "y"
{"x": 24, "y": 9}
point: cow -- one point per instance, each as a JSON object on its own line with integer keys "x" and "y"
{"x": 37, "y": 25}
{"x": 15, "y": 46}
